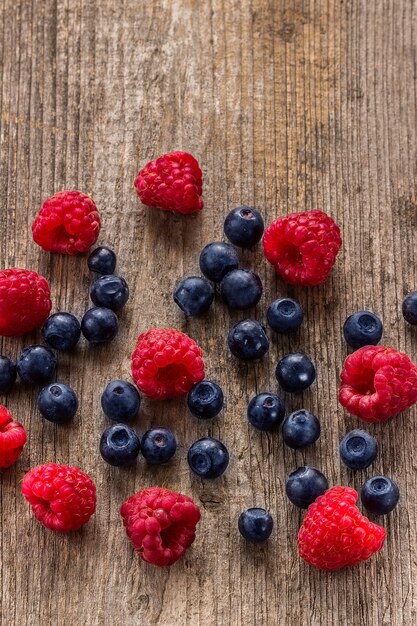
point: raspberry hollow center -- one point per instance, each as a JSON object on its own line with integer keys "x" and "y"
{"x": 43, "y": 504}
{"x": 171, "y": 375}
{"x": 172, "y": 535}
{"x": 365, "y": 385}
{"x": 292, "y": 253}
{"x": 61, "y": 235}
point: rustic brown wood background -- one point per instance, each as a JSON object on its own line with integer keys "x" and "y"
{"x": 288, "y": 105}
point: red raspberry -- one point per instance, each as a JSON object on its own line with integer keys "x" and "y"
{"x": 173, "y": 182}
{"x": 377, "y": 383}
{"x": 67, "y": 222}
{"x": 63, "y": 498}
{"x": 25, "y": 301}
{"x": 334, "y": 532}
{"x": 161, "y": 524}
{"x": 166, "y": 363}
{"x": 12, "y": 438}
{"x": 302, "y": 247}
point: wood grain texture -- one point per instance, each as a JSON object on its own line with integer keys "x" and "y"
{"x": 288, "y": 105}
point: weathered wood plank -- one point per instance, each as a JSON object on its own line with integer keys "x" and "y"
{"x": 288, "y": 104}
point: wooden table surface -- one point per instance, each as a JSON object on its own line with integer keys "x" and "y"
{"x": 288, "y": 105}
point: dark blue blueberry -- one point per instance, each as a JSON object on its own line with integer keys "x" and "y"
{"x": 102, "y": 261}
{"x": 36, "y": 364}
{"x": 305, "y": 485}
{"x": 99, "y": 325}
{"x": 7, "y": 374}
{"x": 194, "y": 295}
{"x": 300, "y": 429}
{"x": 410, "y": 308}
{"x": 266, "y": 411}
{"x": 358, "y": 449}
{"x": 158, "y": 445}
{"x": 380, "y": 495}
{"x": 241, "y": 289}
{"x": 218, "y": 259}
{"x": 205, "y": 400}
{"x": 57, "y": 403}
{"x": 255, "y": 525}
{"x": 295, "y": 372}
{"x": 285, "y": 315}
{"x": 208, "y": 458}
{"x": 119, "y": 445}
{"x": 120, "y": 401}
{"x": 244, "y": 226}
{"x": 109, "y": 291}
{"x": 362, "y": 328}
{"x": 62, "y": 331}
{"x": 247, "y": 340}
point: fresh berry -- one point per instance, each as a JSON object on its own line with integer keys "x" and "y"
{"x": 334, "y": 533}
{"x": 244, "y": 226}
{"x": 173, "y": 182}
{"x": 158, "y": 445}
{"x": 255, "y": 525}
{"x": 57, "y": 403}
{"x": 36, "y": 364}
{"x": 61, "y": 331}
{"x": 208, "y": 458}
{"x": 358, "y": 449}
{"x": 265, "y": 411}
{"x": 12, "y": 438}
{"x": 8, "y": 374}
{"x": 161, "y": 524}
{"x": 295, "y": 372}
{"x": 217, "y": 259}
{"x": 194, "y": 295}
{"x": 67, "y": 222}
{"x": 25, "y": 301}
{"x": 110, "y": 292}
{"x": 300, "y": 429}
{"x": 241, "y": 289}
{"x": 362, "y": 328}
{"x": 305, "y": 485}
{"x": 120, "y": 401}
{"x": 63, "y": 498}
{"x": 102, "y": 260}
{"x": 247, "y": 340}
{"x": 166, "y": 363}
{"x": 205, "y": 399}
{"x": 119, "y": 445}
{"x": 409, "y": 308}
{"x": 99, "y": 325}
{"x": 380, "y": 495}
{"x": 285, "y": 315}
{"x": 303, "y": 247}
{"x": 377, "y": 383}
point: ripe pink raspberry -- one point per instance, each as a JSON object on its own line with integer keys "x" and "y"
{"x": 377, "y": 383}
{"x": 63, "y": 498}
{"x": 161, "y": 524}
{"x": 302, "y": 247}
{"x": 12, "y": 438}
{"x": 25, "y": 301}
{"x": 173, "y": 182}
{"x": 67, "y": 222}
{"x": 166, "y": 363}
{"x": 335, "y": 534}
